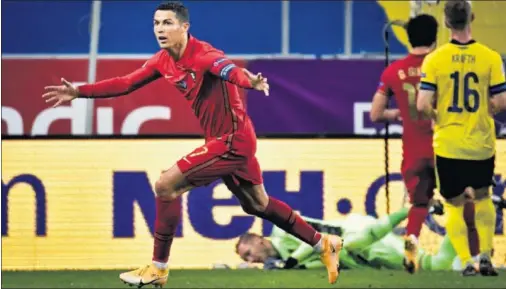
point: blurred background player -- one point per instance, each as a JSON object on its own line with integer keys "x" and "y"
{"x": 196, "y": 69}
{"x": 401, "y": 79}
{"x": 464, "y": 74}
{"x": 370, "y": 243}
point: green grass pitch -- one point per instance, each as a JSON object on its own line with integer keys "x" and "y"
{"x": 255, "y": 279}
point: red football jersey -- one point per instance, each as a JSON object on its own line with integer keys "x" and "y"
{"x": 205, "y": 77}
{"x": 402, "y": 79}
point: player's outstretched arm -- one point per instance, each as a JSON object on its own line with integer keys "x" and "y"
{"x": 112, "y": 87}
{"x": 424, "y": 103}
{"x": 428, "y": 88}
{"x": 216, "y": 63}
{"x": 379, "y": 112}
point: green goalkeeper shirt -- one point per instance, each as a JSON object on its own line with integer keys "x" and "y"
{"x": 358, "y": 251}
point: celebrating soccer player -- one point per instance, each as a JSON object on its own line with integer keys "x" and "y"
{"x": 401, "y": 79}
{"x": 196, "y": 68}
{"x": 469, "y": 80}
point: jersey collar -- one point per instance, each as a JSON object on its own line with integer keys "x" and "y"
{"x": 188, "y": 51}
{"x": 456, "y": 42}
{"x": 418, "y": 55}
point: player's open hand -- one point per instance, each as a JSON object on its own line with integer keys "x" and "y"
{"x": 258, "y": 82}
{"x": 396, "y": 114}
{"x": 60, "y": 93}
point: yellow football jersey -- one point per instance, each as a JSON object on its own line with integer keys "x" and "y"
{"x": 464, "y": 76}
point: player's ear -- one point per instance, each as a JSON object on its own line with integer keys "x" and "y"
{"x": 472, "y": 17}
{"x": 447, "y": 24}
{"x": 186, "y": 26}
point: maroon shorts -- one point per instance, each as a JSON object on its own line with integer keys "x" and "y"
{"x": 419, "y": 178}
{"x": 217, "y": 158}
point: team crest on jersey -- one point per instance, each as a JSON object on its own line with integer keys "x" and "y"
{"x": 217, "y": 62}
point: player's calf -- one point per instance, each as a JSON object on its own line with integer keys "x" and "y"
{"x": 255, "y": 201}
{"x": 168, "y": 188}
{"x": 420, "y": 183}
{"x": 416, "y": 217}
{"x": 472, "y": 231}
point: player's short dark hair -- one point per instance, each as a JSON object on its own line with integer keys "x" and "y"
{"x": 178, "y": 8}
{"x": 458, "y": 14}
{"x": 422, "y": 30}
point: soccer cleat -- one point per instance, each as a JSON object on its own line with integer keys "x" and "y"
{"x": 331, "y": 247}
{"x": 410, "y": 253}
{"x": 486, "y": 268}
{"x": 147, "y": 275}
{"x": 470, "y": 270}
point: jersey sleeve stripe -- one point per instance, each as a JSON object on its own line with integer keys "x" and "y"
{"x": 428, "y": 86}
{"x": 496, "y": 89}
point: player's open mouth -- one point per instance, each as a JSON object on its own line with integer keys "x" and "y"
{"x": 162, "y": 38}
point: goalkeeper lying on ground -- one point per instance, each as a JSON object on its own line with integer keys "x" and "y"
{"x": 368, "y": 242}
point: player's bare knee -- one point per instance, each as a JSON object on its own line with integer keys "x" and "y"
{"x": 253, "y": 198}
{"x": 162, "y": 188}
{"x": 168, "y": 191}
{"x": 259, "y": 196}
{"x": 481, "y": 193}
{"x": 248, "y": 209}
{"x": 171, "y": 184}
{"x": 253, "y": 208}
{"x": 459, "y": 200}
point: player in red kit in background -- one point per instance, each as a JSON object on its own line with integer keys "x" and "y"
{"x": 401, "y": 79}
{"x": 197, "y": 69}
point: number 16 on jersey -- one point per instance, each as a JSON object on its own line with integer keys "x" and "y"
{"x": 463, "y": 95}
